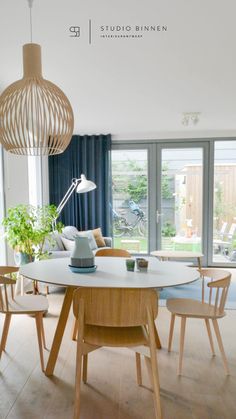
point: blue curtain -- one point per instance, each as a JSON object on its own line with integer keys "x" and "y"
{"x": 89, "y": 155}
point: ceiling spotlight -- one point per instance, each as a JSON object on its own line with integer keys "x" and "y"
{"x": 190, "y": 118}
{"x": 185, "y": 119}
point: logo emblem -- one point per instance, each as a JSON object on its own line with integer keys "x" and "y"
{"x": 75, "y": 31}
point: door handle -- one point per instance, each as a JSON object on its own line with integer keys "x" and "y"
{"x": 158, "y": 215}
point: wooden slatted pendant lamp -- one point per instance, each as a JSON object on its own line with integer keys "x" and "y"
{"x": 36, "y": 117}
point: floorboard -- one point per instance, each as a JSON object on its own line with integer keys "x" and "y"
{"x": 203, "y": 392}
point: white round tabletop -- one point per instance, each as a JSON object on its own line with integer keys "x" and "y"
{"x": 111, "y": 272}
{"x": 176, "y": 254}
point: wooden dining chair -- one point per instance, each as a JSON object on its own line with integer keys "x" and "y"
{"x": 116, "y": 317}
{"x": 28, "y": 304}
{"x": 112, "y": 252}
{"x": 122, "y": 253}
{"x": 213, "y": 310}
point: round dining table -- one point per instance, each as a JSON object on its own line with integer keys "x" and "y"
{"x": 111, "y": 272}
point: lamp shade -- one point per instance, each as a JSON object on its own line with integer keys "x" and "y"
{"x": 85, "y": 185}
{"x": 36, "y": 117}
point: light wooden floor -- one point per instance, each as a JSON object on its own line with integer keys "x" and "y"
{"x": 203, "y": 392}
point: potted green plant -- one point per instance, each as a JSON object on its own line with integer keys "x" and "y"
{"x": 167, "y": 232}
{"x": 26, "y": 229}
{"x": 168, "y": 229}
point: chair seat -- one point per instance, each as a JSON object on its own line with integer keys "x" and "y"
{"x": 192, "y": 308}
{"x": 115, "y": 336}
{"x": 28, "y": 304}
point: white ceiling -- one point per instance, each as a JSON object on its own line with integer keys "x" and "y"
{"x": 132, "y": 88}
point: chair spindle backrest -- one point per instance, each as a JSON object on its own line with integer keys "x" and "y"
{"x": 113, "y": 253}
{"x": 6, "y": 283}
{"x": 220, "y": 281}
{"x": 115, "y": 307}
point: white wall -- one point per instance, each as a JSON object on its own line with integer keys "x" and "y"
{"x": 16, "y": 179}
{"x": 132, "y": 88}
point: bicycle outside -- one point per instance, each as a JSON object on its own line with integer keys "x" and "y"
{"x": 121, "y": 227}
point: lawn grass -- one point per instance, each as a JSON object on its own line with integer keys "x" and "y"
{"x": 166, "y": 244}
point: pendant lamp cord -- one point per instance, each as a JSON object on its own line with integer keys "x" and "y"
{"x": 30, "y": 3}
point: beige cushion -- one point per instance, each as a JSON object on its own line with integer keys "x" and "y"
{"x": 68, "y": 244}
{"x": 97, "y": 233}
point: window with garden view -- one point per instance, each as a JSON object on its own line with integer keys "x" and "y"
{"x": 130, "y": 200}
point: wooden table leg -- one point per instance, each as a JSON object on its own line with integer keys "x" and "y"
{"x": 59, "y": 331}
{"x": 199, "y": 263}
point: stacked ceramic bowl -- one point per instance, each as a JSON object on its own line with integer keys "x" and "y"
{"x": 82, "y": 257}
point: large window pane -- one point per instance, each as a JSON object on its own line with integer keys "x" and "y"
{"x": 2, "y": 243}
{"x": 181, "y": 199}
{"x": 130, "y": 190}
{"x": 35, "y": 180}
{"x": 224, "y": 226}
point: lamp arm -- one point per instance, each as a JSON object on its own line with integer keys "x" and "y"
{"x": 67, "y": 195}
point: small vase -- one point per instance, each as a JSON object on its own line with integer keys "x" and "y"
{"x": 82, "y": 256}
{"x": 142, "y": 265}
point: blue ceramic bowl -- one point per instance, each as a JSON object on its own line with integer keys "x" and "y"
{"x": 77, "y": 270}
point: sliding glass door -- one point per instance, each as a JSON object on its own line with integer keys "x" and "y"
{"x": 224, "y": 203}
{"x": 130, "y": 199}
{"x": 181, "y": 211}
{"x": 176, "y": 195}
